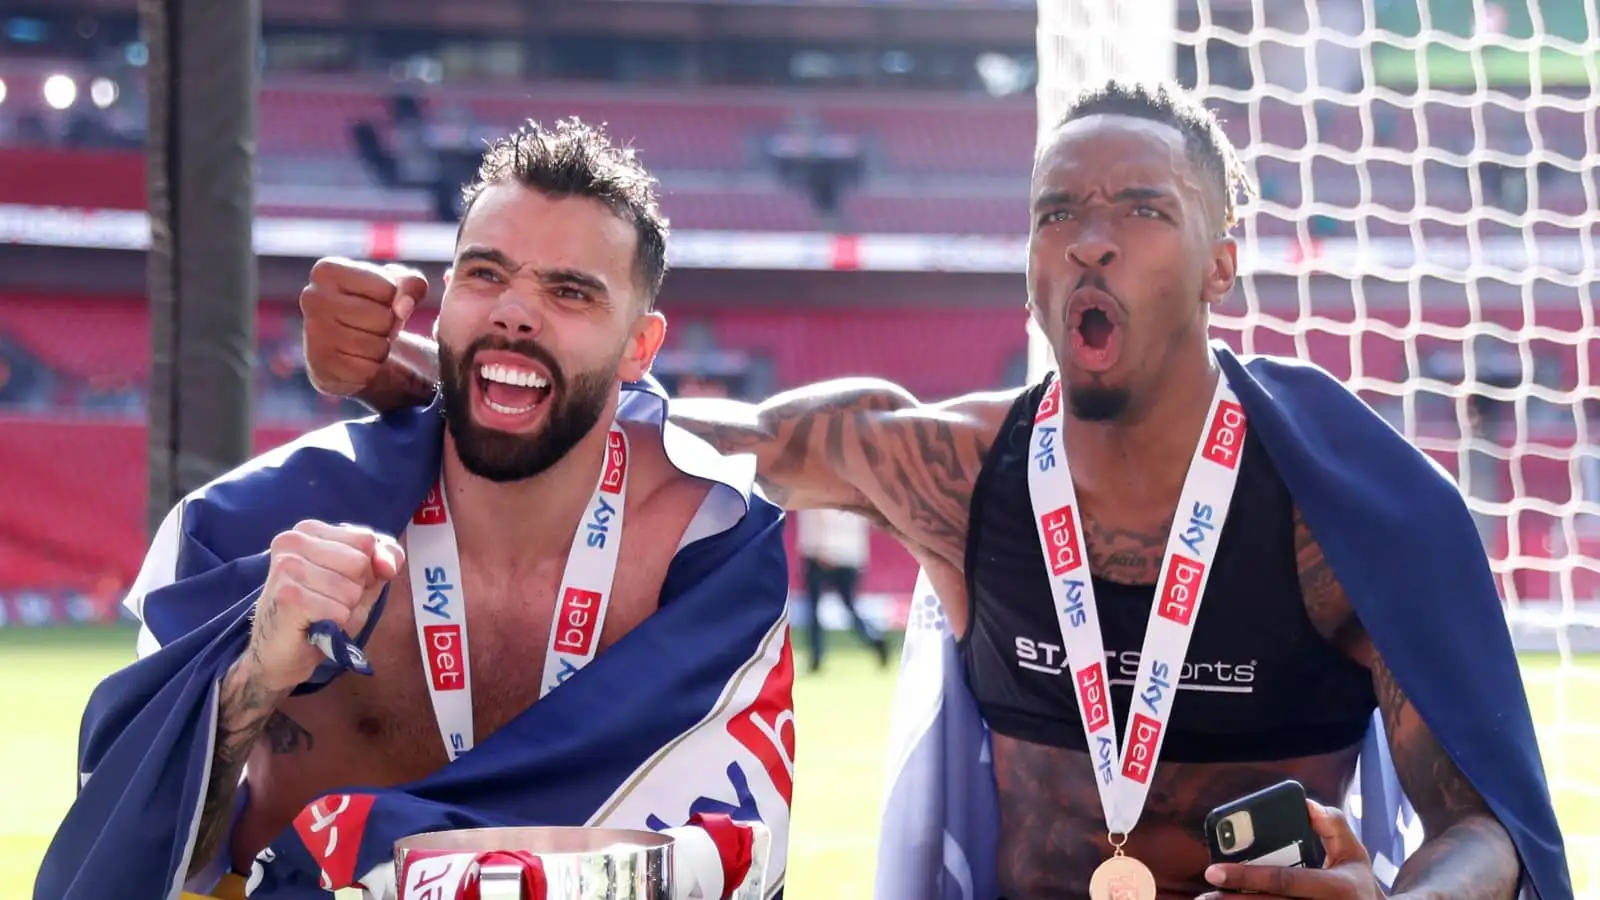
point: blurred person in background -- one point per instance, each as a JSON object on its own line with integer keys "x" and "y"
{"x": 1484, "y": 478}
{"x": 1587, "y": 522}
{"x": 25, "y": 382}
{"x": 834, "y": 548}
{"x": 695, "y": 385}
{"x": 1491, "y": 433}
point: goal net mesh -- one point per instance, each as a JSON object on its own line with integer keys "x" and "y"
{"x": 1424, "y": 229}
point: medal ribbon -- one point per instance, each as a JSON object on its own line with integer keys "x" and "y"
{"x": 1124, "y": 779}
{"x": 439, "y": 606}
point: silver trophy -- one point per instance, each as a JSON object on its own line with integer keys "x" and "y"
{"x": 576, "y": 864}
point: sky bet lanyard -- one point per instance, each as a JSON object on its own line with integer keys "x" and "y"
{"x": 1124, "y": 782}
{"x": 440, "y": 609}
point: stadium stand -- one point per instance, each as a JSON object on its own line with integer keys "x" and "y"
{"x": 928, "y": 162}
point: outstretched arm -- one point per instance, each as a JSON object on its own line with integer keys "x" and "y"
{"x": 861, "y": 444}
{"x": 812, "y": 444}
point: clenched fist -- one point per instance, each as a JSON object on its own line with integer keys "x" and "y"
{"x": 318, "y": 571}
{"x": 353, "y": 311}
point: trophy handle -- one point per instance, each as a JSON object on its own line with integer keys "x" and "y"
{"x": 471, "y": 875}
{"x": 503, "y": 875}
{"x": 704, "y": 849}
{"x": 754, "y": 885}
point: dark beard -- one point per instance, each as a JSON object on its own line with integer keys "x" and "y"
{"x": 500, "y": 457}
{"x": 1097, "y": 403}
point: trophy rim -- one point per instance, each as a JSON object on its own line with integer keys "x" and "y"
{"x": 565, "y": 840}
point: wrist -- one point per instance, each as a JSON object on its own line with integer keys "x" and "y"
{"x": 415, "y": 355}
{"x": 376, "y": 394}
{"x": 409, "y": 377}
{"x": 333, "y": 388}
{"x": 248, "y": 678}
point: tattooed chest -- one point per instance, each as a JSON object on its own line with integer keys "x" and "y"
{"x": 1126, "y": 555}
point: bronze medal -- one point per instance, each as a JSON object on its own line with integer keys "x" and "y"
{"x": 1122, "y": 878}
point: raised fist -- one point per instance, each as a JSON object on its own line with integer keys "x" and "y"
{"x": 353, "y": 311}
{"x": 318, "y": 571}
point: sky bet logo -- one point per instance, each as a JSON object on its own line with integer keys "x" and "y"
{"x": 445, "y": 665}
{"x": 1061, "y": 541}
{"x": 616, "y": 464}
{"x": 1073, "y": 609}
{"x": 575, "y": 621}
{"x": 431, "y": 512}
{"x": 1225, "y": 437}
{"x": 440, "y": 592}
{"x": 1180, "y": 590}
{"x": 599, "y": 525}
{"x": 1201, "y": 524}
{"x": 1141, "y": 753}
{"x": 1092, "y": 696}
{"x": 1044, "y": 455}
{"x": 1160, "y": 673}
{"x": 1051, "y": 404}
{"x": 1105, "y": 758}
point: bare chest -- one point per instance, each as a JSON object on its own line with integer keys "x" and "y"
{"x": 1053, "y": 831}
{"x": 1123, "y": 546}
{"x": 382, "y": 730}
{"x": 486, "y": 638}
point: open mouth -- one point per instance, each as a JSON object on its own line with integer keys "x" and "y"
{"x": 512, "y": 393}
{"x": 1095, "y": 335}
{"x": 1095, "y": 329}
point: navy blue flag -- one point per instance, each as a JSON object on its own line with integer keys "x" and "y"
{"x": 1403, "y": 545}
{"x": 691, "y": 712}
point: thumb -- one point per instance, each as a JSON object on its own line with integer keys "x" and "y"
{"x": 387, "y": 558}
{"x": 1338, "y": 840}
{"x": 404, "y": 305}
{"x": 411, "y": 288}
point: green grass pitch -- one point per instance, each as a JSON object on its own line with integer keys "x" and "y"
{"x": 45, "y": 677}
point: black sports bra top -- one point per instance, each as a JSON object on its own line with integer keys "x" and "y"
{"x": 1259, "y": 682}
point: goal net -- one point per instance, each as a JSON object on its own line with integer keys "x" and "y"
{"x": 1425, "y": 230}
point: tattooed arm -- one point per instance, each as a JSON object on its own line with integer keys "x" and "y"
{"x": 805, "y": 440}
{"x": 246, "y": 711}
{"x": 1466, "y": 854}
{"x": 864, "y": 445}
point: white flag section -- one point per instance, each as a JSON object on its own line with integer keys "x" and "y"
{"x": 939, "y": 822}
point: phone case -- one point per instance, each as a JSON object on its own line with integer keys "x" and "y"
{"x": 1281, "y": 827}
